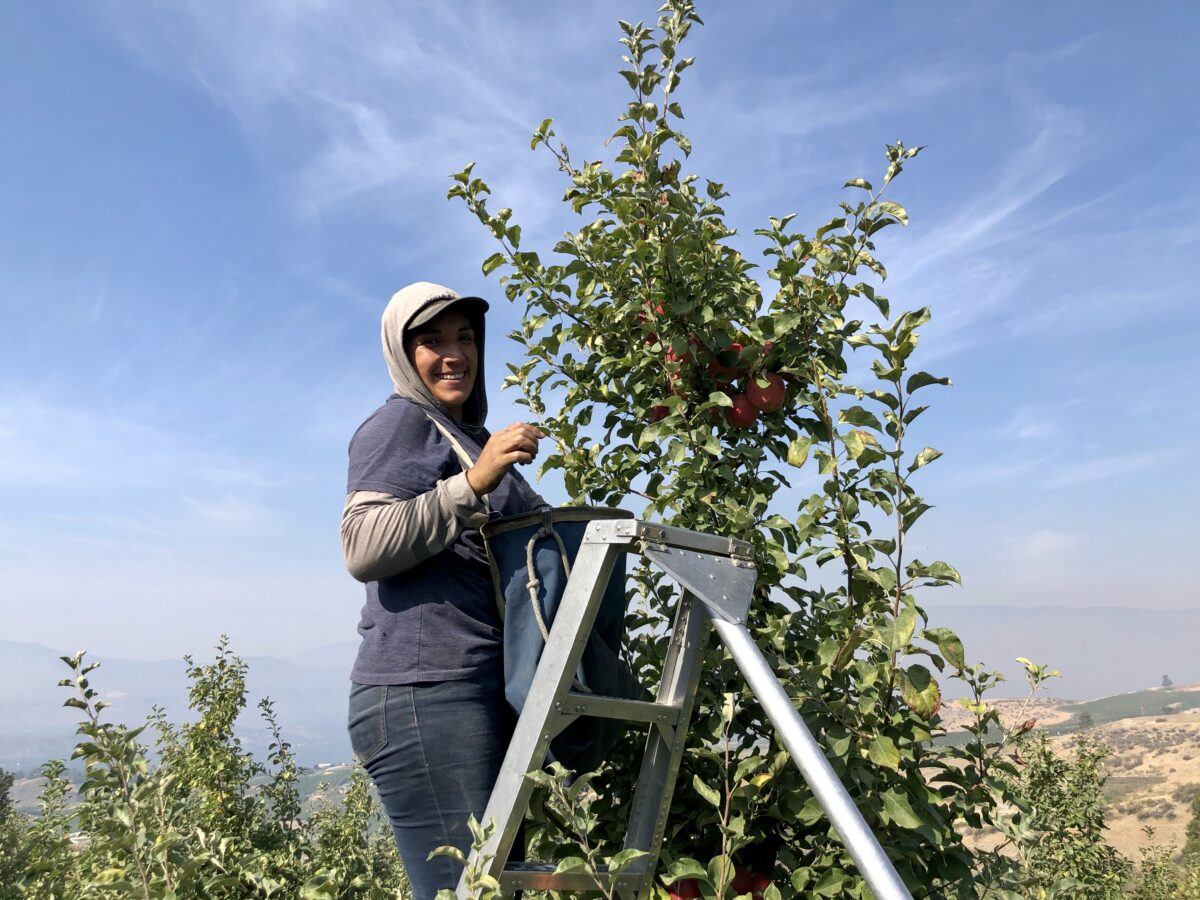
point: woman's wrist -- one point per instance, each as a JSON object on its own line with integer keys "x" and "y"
{"x": 474, "y": 487}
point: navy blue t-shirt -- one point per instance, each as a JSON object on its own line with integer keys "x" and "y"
{"x": 437, "y": 621}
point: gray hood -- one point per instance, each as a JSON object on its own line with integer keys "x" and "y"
{"x": 404, "y": 306}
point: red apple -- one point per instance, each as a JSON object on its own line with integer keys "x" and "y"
{"x": 719, "y": 373}
{"x": 673, "y": 357}
{"x": 769, "y": 398}
{"x": 759, "y": 884}
{"x": 658, "y": 413}
{"x": 685, "y": 889}
{"x": 742, "y": 414}
{"x": 743, "y": 880}
{"x": 717, "y": 368}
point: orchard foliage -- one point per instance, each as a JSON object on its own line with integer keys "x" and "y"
{"x": 192, "y": 816}
{"x": 665, "y": 370}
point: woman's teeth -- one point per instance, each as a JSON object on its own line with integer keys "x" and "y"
{"x": 456, "y": 377}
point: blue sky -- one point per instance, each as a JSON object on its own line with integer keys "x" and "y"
{"x": 206, "y": 207}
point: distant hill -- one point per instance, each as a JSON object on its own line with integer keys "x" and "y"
{"x": 1101, "y": 652}
{"x": 309, "y": 690}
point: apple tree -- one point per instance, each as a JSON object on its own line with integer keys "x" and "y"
{"x": 666, "y": 367}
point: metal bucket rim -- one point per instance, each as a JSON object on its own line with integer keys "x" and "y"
{"x": 557, "y": 514}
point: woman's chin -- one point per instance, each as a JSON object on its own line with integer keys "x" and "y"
{"x": 454, "y": 397}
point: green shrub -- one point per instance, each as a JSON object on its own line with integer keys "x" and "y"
{"x": 198, "y": 818}
{"x": 1065, "y": 853}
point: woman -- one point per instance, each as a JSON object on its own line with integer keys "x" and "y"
{"x": 428, "y": 717}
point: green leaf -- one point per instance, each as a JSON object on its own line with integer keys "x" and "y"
{"x": 897, "y": 809}
{"x": 846, "y": 651}
{"x": 883, "y": 752}
{"x": 854, "y": 443}
{"x": 920, "y": 691}
{"x": 856, "y": 415}
{"x": 124, "y": 815}
{"x": 891, "y": 208}
{"x": 924, "y": 458}
{"x": 949, "y": 644}
{"x": 684, "y": 867}
{"x": 541, "y": 134}
{"x": 902, "y": 628}
{"x": 831, "y": 884}
{"x": 918, "y": 380}
{"x": 624, "y": 859}
{"x": 858, "y": 183}
{"x": 492, "y": 263}
{"x": 797, "y": 454}
{"x": 571, "y": 864}
{"x": 708, "y": 793}
{"x": 939, "y": 571}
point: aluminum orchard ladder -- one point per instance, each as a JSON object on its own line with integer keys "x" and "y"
{"x": 717, "y": 577}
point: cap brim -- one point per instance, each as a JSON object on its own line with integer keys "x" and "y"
{"x": 435, "y": 308}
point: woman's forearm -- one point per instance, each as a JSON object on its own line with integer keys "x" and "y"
{"x": 383, "y": 535}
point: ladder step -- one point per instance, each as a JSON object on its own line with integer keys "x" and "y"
{"x": 540, "y": 876}
{"x": 619, "y": 708}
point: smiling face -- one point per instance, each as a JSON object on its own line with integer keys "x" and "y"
{"x": 446, "y": 358}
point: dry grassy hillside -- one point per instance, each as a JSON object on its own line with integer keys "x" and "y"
{"x": 1046, "y": 711}
{"x": 1154, "y": 769}
{"x": 1153, "y": 772}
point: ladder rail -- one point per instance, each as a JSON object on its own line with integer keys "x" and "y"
{"x": 552, "y": 680}
{"x": 655, "y": 788}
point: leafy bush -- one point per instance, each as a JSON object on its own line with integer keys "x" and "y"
{"x": 197, "y": 817}
{"x": 1191, "y": 849}
{"x": 1066, "y": 854}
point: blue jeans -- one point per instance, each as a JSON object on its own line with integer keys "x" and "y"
{"x": 434, "y": 751}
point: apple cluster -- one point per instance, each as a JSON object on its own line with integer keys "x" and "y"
{"x": 724, "y": 368}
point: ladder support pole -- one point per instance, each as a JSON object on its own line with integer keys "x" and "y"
{"x": 872, "y": 862}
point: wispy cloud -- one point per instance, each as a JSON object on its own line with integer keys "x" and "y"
{"x": 1037, "y": 421}
{"x": 234, "y": 515}
{"x": 1056, "y": 146}
{"x": 74, "y": 468}
{"x": 1043, "y": 545}
{"x": 367, "y": 106}
{"x": 1104, "y": 468}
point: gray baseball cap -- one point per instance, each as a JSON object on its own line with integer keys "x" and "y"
{"x": 433, "y": 300}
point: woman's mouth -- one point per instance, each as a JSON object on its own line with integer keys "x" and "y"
{"x": 452, "y": 378}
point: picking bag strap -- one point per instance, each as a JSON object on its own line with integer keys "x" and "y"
{"x": 463, "y": 457}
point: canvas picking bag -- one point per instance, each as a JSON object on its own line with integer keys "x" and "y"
{"x": 530, "y": 556}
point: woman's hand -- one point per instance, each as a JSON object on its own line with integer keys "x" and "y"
{"x": 515, "y": 444}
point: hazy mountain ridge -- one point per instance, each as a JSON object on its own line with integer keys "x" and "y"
{"x": 1101, "y": 652}
{"x": 309, "y": 695}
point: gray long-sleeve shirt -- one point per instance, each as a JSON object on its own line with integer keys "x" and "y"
{"x": 383, "y": 535}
